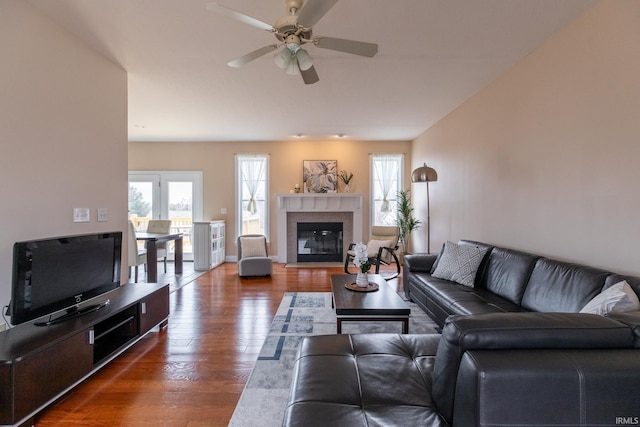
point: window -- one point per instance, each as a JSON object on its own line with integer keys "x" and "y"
{"x": 170, "y": 195}
{"x": 386, "y": 182}
{"x": 252, "y": 200}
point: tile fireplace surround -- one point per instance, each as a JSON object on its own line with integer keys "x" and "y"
{"x": 311, "y": 207}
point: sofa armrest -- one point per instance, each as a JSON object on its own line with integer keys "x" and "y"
{"x": 632, "y": 320}
{"x": 547, "y": 387}
{"x": 419, "y": 263}
{"x": 510, "y": 331}
{"x": 416, "y": 263}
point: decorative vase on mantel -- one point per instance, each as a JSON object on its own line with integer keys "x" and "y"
{"x": 346, "y": 188}
{"x": 362, "y": 280}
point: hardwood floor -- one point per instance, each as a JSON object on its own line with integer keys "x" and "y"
{"x": 192, "y": 373}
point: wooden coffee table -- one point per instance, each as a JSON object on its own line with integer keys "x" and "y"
{"x": 381, "y": 305}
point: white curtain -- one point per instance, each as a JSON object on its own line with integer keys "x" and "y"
{"x": 252, "y": 174}
{"x": 386, "y": 171}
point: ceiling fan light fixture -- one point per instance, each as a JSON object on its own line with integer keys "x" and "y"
{"x": 292, "y": 32}
{"x": 282, "y": 58}
{"x": 304, "y": 60}
{"x": 292, "y": 68}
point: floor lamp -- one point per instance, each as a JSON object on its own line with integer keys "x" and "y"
{"x": 425, "y": 174}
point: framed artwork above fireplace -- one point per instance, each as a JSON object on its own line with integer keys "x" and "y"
{"x": 320, "y": 176}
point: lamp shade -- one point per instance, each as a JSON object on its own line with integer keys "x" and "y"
{"x": 292, "y": 68}
{"x": 304, "y": 60}
{"x": 282, "y": 58}
{"x": 424, "y": 174}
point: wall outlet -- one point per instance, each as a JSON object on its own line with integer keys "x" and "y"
{"x": 223, "y": 211}
{"x": 81, "y": 214}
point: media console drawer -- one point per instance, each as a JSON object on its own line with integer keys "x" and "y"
{"x": 40, "y": 377}
{"x": 154, "y": 309}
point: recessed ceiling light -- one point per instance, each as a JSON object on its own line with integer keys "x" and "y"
{"x": 298, "y": 136}
{"x": 340, "y": 135}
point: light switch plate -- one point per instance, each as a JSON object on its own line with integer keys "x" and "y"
{"x": 81, "y": 214}
{"x": 103, "y": 214}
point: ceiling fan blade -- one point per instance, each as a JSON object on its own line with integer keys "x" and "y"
{"x": 215, "y": 7}
{"x": 347, "y": 46}
{"x": 309, "y": 76}
{"x": 313, "y": 11}
{"x": 252, "y": 55}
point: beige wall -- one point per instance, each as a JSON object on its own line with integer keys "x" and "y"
{"x": 545, "y": 159}
{"x": 216, "y": 161}
{"x": 63, "y": 134}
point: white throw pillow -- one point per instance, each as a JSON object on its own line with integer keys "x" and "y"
{"x": 619, "y": 298}
{"x": 253, "y": 247}
{"x": 459, "y": 263}
{"x": 374, "y": 245}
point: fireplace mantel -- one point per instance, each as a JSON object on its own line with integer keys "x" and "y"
{"x": 317, "y": 203}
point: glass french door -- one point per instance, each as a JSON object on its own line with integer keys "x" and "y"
{"x": 176, "y": 196}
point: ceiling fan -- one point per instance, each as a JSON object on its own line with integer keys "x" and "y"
{"x": 293, "y": 31}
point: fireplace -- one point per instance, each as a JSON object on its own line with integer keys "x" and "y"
{"x": 319, "y": 241}
{"x": 343, "y": 208}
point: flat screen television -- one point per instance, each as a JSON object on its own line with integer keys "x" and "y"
{"x": 62, "y": 274}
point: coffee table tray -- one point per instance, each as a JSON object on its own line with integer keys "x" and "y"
{"x": 371, "y": 287}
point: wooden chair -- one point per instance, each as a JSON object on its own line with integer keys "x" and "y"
{"x": 136, "y": 256}
{"x": 160, "y": 226}
{"x": 381, "y": 249}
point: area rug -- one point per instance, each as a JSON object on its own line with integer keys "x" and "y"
{"x": 300, "y": 314}
{"x": 313, "y": 264}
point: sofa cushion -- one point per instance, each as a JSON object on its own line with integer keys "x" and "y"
{"x": 483, "y": 264}
{"x": 633, "y": 281}
{"x": 507, "y": 273}
{"x": 459, "y": 263}
{"x": 363, "y": 380}
{"x": 253, "y": 247}
{"x": 441, "y": 298}
{"x": 373, "y": 246}
{"x": 481, "y": 301}
{"x": 557, "y": 286}
{"x": 459, "y": 299}
{"x": 619, "y": 298}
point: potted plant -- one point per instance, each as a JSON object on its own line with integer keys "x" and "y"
{"x": 346, "y": 178}
{"x": 406, "y": 221}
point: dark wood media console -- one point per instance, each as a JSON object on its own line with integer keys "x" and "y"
{"x": 38, "y": 364}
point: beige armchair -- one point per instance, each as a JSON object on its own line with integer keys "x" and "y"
{"x": 160, "y": 226}
{"x": 253, "y": 259}
{"x": 381, "y": 249}
{"x": 136, "y": 256}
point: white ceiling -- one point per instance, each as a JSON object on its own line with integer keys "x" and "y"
{"x": 433, "y": 55}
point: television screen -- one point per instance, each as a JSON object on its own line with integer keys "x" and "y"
{"x": 61, "y": 273}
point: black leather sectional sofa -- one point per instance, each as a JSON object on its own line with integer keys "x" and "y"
{"x": 514, "y": 351}
{"x": 505, "y": 369}
{"x": 507, "y": 281}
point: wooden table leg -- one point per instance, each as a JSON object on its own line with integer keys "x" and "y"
{"x": 152, "y": 261}
{"x": 178, "y": 256}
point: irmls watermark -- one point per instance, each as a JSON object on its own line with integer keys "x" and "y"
{"x": 627, "y": 421}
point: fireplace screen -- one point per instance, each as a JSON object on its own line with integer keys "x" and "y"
{"x": 319, "y": 242}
